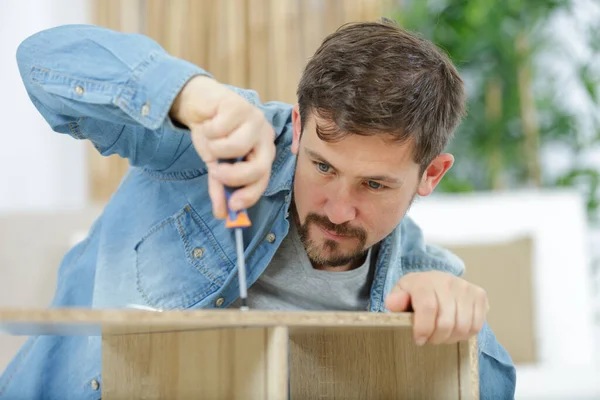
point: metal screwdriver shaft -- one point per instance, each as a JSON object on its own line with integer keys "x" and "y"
{"x": 238, "y": 220}
{"x": 239, "y": 247}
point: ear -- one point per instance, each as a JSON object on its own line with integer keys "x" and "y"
{"x": 297, "y": 129}
{"x": 434, "y": 173}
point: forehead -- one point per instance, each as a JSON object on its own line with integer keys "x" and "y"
{"x": 375, "y": 153}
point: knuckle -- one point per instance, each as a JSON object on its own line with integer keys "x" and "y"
{"x": 447, "y": 281}
{"x": 265, "y": 161}
{"x": 477, "y": 326}
{"x": 481, "y": 294}
{"x": 463, "y": 330}
{"x": 452, "y": 280}
{"x": 428, "y": 306}
{"x": 236, "y": 147}
{"x": 258, "y": 114}
{"x": 266, "y": 127}
{"x": 265, "y": 180}
{"x": 213, "y": 128}
{"x": 423, "y": 330}
{"x": 445, "y": 325}
{"x": 475, "y": 329}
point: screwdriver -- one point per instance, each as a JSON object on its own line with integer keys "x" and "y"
{"x": 237, "y": 220}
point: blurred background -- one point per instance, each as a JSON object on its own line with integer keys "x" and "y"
{"x": 521, "y": 205}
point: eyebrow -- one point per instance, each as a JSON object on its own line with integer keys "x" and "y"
{"x": 383, "y": 178}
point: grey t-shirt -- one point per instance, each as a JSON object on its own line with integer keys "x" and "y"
{"x": 291, "y": 283}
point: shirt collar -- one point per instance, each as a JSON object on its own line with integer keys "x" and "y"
{"x": 282, "y": 171}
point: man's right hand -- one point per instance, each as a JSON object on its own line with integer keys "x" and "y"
{"x": 224, "y": 125}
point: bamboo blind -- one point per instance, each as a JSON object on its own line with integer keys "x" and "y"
{"x": 257, "y": 44}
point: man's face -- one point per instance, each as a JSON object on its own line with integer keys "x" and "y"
{"x": 352, "y": 193}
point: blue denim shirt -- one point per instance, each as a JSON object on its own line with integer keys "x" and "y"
{"x": 156, "y": 242}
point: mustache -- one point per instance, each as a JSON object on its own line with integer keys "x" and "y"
{"x": 339, "y": 229}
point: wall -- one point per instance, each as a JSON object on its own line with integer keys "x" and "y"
{"x": 39, "y": 169}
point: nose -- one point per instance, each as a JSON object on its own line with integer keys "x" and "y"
{"x": 339, "y": 207}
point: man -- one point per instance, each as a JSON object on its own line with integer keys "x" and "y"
{"x": 326, "y": 182}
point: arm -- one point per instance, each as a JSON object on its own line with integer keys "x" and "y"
{"x": 120, "y": 91}
{"x": 111, "y": 88}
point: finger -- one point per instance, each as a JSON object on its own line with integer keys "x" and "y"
{"x": 216, "y": 191}
{"x": 241, "y": 173}
{"x": 239, "y": 143}
{"x": 446, "y": 317}
{"x": 425, "y": 305}
{"x": 247, "y": 196}
{"x": 265, "y": 148}
{"x": 464, "y": 317}
{"x": 227, "y": 120}
{"x": 398, "y": 301}
{"x": 480, "y": 309}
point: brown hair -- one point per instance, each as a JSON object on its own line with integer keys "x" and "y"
{"x": 375, "y": 77}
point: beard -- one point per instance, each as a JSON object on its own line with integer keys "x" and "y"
{"x": 329, "y": 253}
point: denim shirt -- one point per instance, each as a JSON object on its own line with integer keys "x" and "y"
{"x": 157, "y": 243}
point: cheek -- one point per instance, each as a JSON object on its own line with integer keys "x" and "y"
{"x": 380, "y": 217}
{"x": 309, "y": 192}
{"x": 313, "y": 197}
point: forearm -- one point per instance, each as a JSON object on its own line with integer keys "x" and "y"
{"x": 102, "y": 85}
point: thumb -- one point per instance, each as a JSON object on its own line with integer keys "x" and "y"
{"x": 398, "y": 301}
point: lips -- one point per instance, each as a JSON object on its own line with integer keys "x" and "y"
{"x": 332, "y": 235}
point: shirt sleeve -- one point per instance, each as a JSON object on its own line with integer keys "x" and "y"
{"x": 112, "y": 88}
{"x": 497, "y": 373}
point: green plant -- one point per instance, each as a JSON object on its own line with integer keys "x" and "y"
{"x": 511, "y": 116}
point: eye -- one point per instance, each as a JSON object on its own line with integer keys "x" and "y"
{"x": 323, "y": 167}
{"x": 374, "y": 185}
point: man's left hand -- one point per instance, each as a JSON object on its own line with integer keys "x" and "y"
{"x": 447, "y": 309}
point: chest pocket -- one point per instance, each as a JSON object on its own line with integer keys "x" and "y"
{"x": 179, "y": 262}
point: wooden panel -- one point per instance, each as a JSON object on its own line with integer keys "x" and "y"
{"x": 371, "y": 364}
{"x": 213, "y": 364}
{"x": 333, "y": 355}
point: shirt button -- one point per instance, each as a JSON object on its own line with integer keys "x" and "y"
{"x": 271, "y": 237}
{"x": 79, "y": 90}
{"x": 146, "y": 109}
{"x": 220, "y": 301}
{"x": 95, "y": 385}
{"x": 198, "y": 252}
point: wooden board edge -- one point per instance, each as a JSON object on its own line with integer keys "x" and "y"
{"x": 70, "y": 321}
{"x": 468, "y": 369}
{"x": 474, "y": 358}
{"x": 277, "y": 372}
